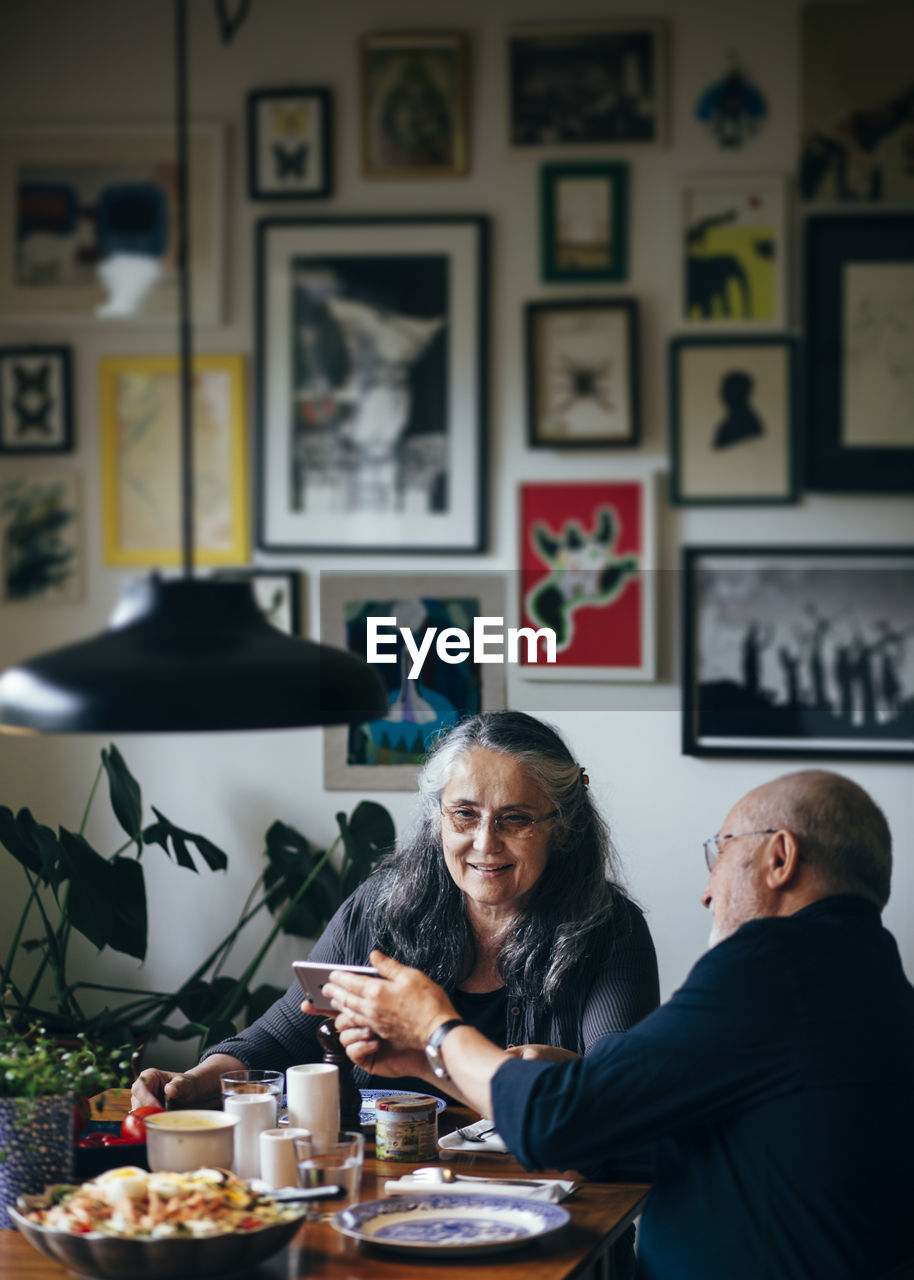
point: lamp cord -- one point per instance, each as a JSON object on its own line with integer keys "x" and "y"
{"x": 185, "y": 336}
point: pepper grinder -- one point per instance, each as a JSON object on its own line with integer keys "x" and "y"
{"x": 335, "y": 1055}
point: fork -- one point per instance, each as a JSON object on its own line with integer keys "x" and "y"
{"x": 470, "y": 1134}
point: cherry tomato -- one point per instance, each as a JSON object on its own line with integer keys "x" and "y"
{"x": 93, "y": 1140}
{"x": 112, "y": 1140}
{"x": 132, "y": 1127}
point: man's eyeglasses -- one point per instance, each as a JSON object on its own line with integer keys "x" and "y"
{"x": 713, "y": 848}
{"x": 515, "y": 824}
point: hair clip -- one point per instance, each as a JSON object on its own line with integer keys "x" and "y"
{"x": 585, "y": 781}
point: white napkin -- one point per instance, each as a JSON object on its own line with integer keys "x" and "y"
{"x": 491, "y": 1142}
{"x": 542, "y": 1189}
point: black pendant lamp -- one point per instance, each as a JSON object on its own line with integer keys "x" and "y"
{"x": 188, "y": 654}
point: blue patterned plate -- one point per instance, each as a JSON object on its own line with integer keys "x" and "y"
{"x": 370, "y": 1096}
{"x": 444, "y": 1224}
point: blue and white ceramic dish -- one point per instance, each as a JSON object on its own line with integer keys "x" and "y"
{"x": 432, "y": 1223}
{"x": 370, "y": 1096}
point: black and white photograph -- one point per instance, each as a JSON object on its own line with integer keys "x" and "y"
{"x": 36, "y": 410}
{"x": 799, "y": 651}
{"x": 290, "y": 140}
{"x": 372, "y": 383}
{"x": 577, "y": 84}
{"x": 733, "y": 420}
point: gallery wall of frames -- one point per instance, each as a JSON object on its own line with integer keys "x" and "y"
{"x": 594, "y": 317}
{"x": 357, "y": 423}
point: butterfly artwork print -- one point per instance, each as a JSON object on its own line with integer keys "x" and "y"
{"x": 35, "y": 400}
{"x": 289, "y": 144}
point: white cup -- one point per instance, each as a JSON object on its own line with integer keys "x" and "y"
{"x": 277, "y": 1156}
{"x": 313, "y": 1099}
{"x": 255, "y": 1112}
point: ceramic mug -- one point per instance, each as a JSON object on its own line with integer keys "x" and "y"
{"x": 177, "y": 1141}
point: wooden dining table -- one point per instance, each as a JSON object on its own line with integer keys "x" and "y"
{"x": 600, "y": 1213}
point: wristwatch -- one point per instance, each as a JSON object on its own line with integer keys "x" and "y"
{"x": 433, "y": 1047}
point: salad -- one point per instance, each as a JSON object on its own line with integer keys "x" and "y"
{"x": 135, "y": 1205}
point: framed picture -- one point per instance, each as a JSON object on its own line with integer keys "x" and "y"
{"x": 290, "y": 139}
{"x": 426, "y": 696}
{"x": 141, "y": 481}
{"x": 859, "y": 340}
{"x": 857, "y": 126}
{"x": 798, "y": 651}
{"x": 586, "y": 84}
{"x": 734, "y": 243}
{"x": 41, "y": 539}
{"x": 733, "y": 413}
{"x": 277, "y": 593}
{"x": 88, "y": 219}
{"x": 587, "y": 574}
{"x": 582, "y": 372}
{"x": 372, "y": 383}
{"x": 414, "y": 105}
{"x": 36, "y": 400}
{"x": 584, "y": 215}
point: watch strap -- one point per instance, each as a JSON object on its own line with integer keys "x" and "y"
{"x": 435, "y": 1039}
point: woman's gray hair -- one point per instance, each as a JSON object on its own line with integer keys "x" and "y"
{"x": 420, "y": 916}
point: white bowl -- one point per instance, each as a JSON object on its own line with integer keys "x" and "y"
{"x": 177, "y": 1141}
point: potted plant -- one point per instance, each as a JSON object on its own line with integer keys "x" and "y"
{"x": 39, "y": 1084}
{"x": 71, "y": 887}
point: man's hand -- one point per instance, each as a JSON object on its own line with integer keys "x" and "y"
{"x": 404, "y": 1009}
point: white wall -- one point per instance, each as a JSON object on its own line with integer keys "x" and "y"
{"x": 102, "y": 60}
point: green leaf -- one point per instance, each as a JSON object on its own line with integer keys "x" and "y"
{"x": 91, "y": 894}
{"x": 129, "y": 926}
{"x": 165, "y": 833}
{"x": 205, "y": 997}
{"x": 124, "y": 790}
{"x": 367, "y": 836}
{"x": 220, "y": 1030}
{"x": 292, "y": 858}
{"x": 29, "y": 843}
{"x": 261, "y": 1000}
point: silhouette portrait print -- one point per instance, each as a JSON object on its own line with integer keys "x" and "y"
{"x": 741, "y": 421}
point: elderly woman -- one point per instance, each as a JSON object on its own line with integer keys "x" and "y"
{"x": 506, "y": 895}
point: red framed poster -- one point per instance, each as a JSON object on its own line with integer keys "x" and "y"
{"x": 587, "y": 574}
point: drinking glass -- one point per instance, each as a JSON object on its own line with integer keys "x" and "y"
{"x": 329, "y": 1162}
{"x": 254, "y": 1082}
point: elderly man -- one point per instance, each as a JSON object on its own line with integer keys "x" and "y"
{"x": 775, "y": 1089}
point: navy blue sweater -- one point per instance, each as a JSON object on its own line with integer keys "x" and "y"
{"x": 775, "y": 1092}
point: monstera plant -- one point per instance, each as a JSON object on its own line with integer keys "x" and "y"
{"x": 72, "y": 888}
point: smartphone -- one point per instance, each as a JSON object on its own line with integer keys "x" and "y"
{"x": 312, "y": 977}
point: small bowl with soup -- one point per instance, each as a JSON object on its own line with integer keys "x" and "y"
{"x": 177, "y": 1141}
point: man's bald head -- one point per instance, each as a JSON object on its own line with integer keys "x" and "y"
{"x": 842, "y": 833}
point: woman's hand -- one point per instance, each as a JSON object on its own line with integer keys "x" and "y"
{"x": 542, "y": 1053}
{"x": 153, "y": 1087}
{"x": 404, "y": 1008}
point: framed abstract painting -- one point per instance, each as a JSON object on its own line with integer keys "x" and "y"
{"x": 859, "y": 345}
{"x": 588, "y": 574}
{"x": 582, "y": 373}
{"x": 372, "y": 383}
{"x": 36, "y": 400}
{"x": 584, "y": 222}
{"x": 141, "y": 488}
{"x": 425, "y": 696}
{"x": 734, "y": 247}
{"x": 41, "y": 535}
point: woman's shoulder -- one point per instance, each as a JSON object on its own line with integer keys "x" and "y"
{"x": 627, "y": 920}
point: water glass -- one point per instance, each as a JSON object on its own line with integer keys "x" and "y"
{"x": 251, "y": 1081}
{"x": 331, "y": 1162}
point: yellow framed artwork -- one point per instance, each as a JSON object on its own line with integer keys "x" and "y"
{"x": 141, "y": 486}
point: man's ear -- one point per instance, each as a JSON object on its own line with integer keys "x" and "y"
{"x": 782, "y": 860}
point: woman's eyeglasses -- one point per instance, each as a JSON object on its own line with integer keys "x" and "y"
{"x": 514, "y": 825}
